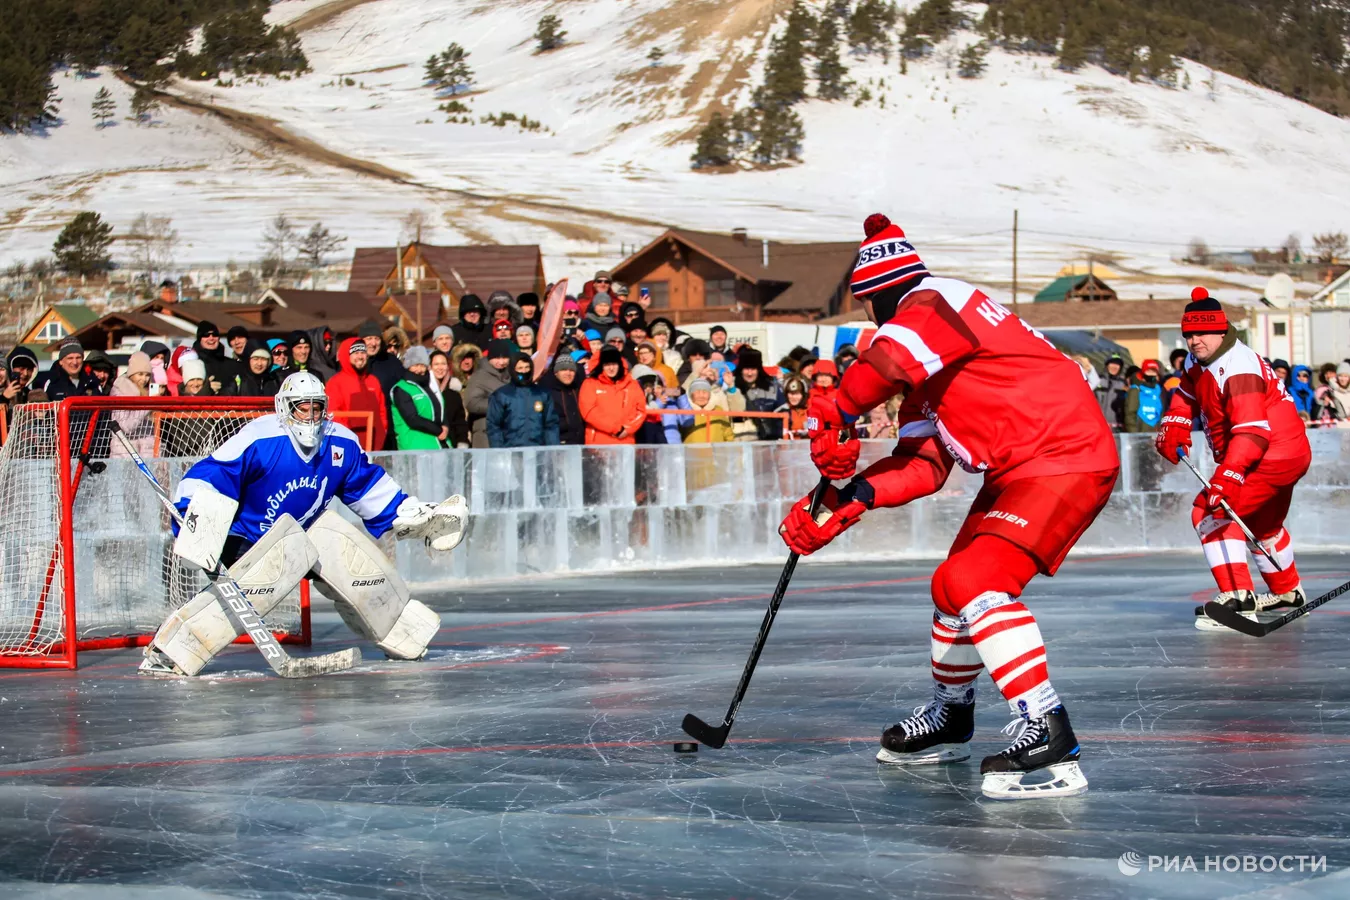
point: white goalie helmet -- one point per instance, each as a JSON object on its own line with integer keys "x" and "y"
{"x": 297, "y": 389}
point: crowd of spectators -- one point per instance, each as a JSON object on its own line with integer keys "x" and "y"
{"x": 617, "y": 377}
{"x": 1133, "y": 398}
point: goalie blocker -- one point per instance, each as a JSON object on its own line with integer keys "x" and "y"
{"x": 285, "y": 470}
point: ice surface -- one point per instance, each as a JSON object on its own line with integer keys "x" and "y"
{"x": 531, "y": 756}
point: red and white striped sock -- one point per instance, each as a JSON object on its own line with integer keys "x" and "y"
{"x": 956, "y": 662}
{"x": 1008, "y": 640}
{"x": 1284, "y": 579}
{"x": 1226, "y": 553}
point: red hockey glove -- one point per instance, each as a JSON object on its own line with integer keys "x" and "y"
{"x": 1224, "y": 487}
{"x": 834, "y": 445}
{"x": 839, "y": 511}
{"x": 1174, "y": 433}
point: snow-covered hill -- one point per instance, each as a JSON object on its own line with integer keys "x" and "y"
{"x": 1093, "y": 162}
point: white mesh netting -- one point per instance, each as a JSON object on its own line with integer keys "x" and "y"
{"x": 127, "y": 580}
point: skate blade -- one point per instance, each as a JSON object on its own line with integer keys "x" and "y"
{"x": 948, "y": 753}
{"x": 155, "y": 670}
{"x": 1066, "y": 780}
{"x": 1261, "y": 617}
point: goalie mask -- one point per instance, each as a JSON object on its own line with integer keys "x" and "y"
{"x": 302, "y": 407}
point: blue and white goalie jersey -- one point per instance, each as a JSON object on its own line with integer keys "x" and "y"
{"x": 262, "y": 468}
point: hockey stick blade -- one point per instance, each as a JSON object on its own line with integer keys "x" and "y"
{"x": 704, "y": 733}
{"x": 717, "y": 737}
{"x": 1238, "y": 622}
{"x": 237, "y": 607}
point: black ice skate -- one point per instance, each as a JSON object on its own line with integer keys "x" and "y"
{"x": 1044, "y": 743}
{"x": 936, "y": 733}
{"x": 1241, "y": 601}
{"x": 1279, "y": 604}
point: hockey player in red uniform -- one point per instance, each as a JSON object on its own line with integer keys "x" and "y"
{"x": 1049, "y": 462}
{"x": 1260, "y": 451}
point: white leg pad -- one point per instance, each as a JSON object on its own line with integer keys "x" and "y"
{"x": 200, "y": 628}
{"x": 369, "y": 594}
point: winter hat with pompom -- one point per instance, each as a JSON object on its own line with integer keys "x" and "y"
{"x": 885, "y": 258}
{"x": 1203, "y": 315}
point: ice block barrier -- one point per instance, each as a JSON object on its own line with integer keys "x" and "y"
{"x": 577, "y": 509}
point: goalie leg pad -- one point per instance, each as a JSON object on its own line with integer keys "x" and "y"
{"x": 200, "y": 628}
{"x": 369, "y": 594}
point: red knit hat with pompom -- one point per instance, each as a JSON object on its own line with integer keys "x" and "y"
{"x": 885, "y": 258}
{"x": 1203, "y": 315}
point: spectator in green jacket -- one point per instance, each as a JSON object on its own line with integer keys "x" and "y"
{"x": 418, "y": 410}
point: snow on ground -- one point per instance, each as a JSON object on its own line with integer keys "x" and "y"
{"x": 1094, "y": 163}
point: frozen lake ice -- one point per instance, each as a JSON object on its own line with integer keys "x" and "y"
{"x": 530, "y": 755}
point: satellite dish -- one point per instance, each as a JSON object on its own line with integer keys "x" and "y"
{"x": 1280, "y": 291}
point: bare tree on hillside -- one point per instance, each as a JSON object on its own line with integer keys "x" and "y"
{"x": 317, "y": 243}
{"x": 415, "y": 226}
{"x": 279, "y": 241}
{"x": 152, "y": 240}
{"x": 1329, "y": 247}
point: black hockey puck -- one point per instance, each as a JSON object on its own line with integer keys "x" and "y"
{"x": 686, "y": 747}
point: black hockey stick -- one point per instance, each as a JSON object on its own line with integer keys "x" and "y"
{"x": 1247, "y": 532}
{"x": 236, "y": 604}
{"x": 1238, "y": 622}
{"x": 716, "y": 738}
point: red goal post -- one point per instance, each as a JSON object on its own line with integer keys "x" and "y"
{"x": 85, "y": 558}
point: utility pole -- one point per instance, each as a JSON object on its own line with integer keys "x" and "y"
{"x": 1014, "y": 259}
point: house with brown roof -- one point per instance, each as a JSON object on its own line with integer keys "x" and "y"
{"x": 177, "y": 322}
{"x": 419, "y": 285}
{"x": 700, "y": 276}
{"x": 342, "y": 311}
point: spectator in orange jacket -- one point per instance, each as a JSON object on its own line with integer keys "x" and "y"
{"x": 612, "y": 403}
{"x": 355, "y": 389}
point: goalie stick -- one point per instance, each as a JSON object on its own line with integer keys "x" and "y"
{"x": 236, "y": 604}
{"x": 1238, "y": 622}
{"x": 716, "y": 738}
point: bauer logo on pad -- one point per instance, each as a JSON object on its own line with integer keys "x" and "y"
{"x": 337, "y": 456}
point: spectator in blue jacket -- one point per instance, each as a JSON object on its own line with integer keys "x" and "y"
{"x": 521, "y": 413}
{"x": 1302, "y": 390}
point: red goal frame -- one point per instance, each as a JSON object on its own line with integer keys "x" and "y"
{"x": 71, "y": 464}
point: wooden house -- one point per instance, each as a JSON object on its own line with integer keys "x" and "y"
{"x": 699, "y": 276}
{"x": 419, "y": 285}
{"x": 1076, "y": 288}
{"x": 57, "y": 322}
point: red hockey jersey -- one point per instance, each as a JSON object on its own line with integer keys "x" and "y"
{"x": 997, "y": 394}
{"x": 1237, "y": 393}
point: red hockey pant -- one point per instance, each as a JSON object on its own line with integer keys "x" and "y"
{"x": 1262, "y": 503}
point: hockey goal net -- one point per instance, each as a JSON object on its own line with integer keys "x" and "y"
{"x": 85, "y": 555}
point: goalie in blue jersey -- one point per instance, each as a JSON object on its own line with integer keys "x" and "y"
{"x": 260, "y": 504}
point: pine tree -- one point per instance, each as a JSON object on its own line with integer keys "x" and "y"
{"x": 831, "y": 74}
{"x": 104, "y": 107}
{"x": 972, "y": 64}
{"x": 869, "y": 27}
{"x": 780, "y": 135}
{"x": 655, "y": 55}
{"x": 714, "y": 147}
{"x": 449, "y": 70}
{"x": 549, "y": 33}
{"x": 82, "y": 246}
{"x": 1073, "y": 51}
{"x": 143, "y": 103}
{"x": 785, "y": 71}
{"x": 27, "y": 95}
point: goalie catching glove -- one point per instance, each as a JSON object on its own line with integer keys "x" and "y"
{"x": 440, "y": 525}
{"x": 839, "y": 511}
